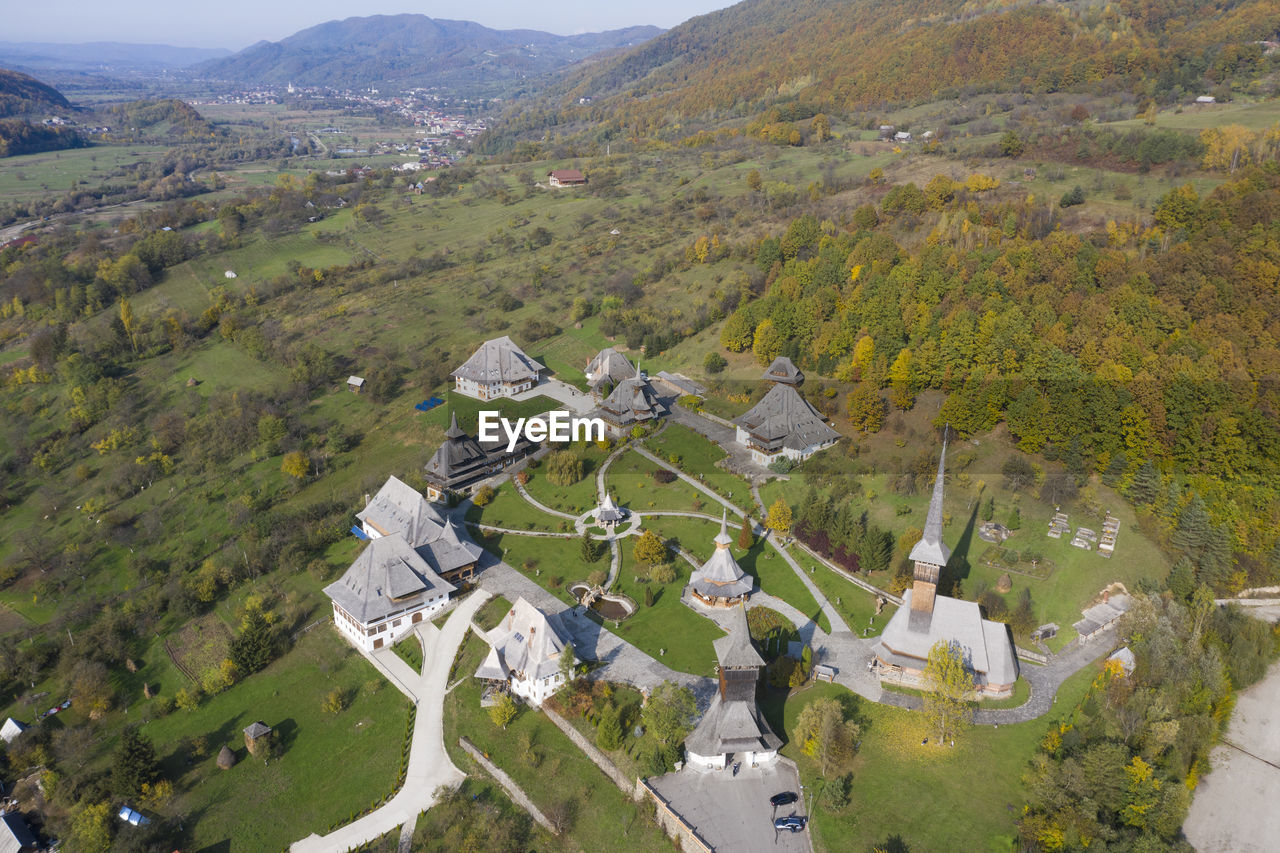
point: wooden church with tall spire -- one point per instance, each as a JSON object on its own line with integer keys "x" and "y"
{"x": 926, "y": 618}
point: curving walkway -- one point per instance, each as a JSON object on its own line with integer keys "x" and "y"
{"x": 841, "y": 648}
{"x": 524, "y": 493}
{"x": 429, "y": 764}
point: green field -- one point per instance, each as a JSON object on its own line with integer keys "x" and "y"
{"x": 698, "y": 457}
{"x": 894, "y": 774}
{"x": 299, "y": 793}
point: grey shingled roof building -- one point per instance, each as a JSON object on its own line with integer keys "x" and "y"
{"x": 388, "y": 577}
{"x": 783, "y": 420}
{"x": 632, "y": 402}
{"x": 720, "y": 580}
{"x": 733, "y": 724}
{"x": 400, "y": 510}
{"x": 462, "y": 461}
{"x": 525, "y": 651}
{"x": 926, "y": 618}
{"x": 15, "y": 835}
{"x": 498, "y": 361}
{"x": 783, "y": 370}
{"x": 609, "y": 367}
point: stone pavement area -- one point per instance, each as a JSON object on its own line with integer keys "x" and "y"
{"x": 733, "y": 813}
{"x": 623, "y": 661}
{"x": 1234, "y": 810}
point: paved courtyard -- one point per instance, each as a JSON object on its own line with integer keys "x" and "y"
{"x": 733, "y": 813}
{"x": 1234, "y": 810}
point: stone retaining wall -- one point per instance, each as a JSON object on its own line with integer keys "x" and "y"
{"x": 592, "y": 751}
{"x": 685, "y": 836}
{"x": 508, "y": 784}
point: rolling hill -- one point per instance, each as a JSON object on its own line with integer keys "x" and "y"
{"x": 859, "y": 54}
{"x": 413, "y": 50}
{"x": 23, "y": 95}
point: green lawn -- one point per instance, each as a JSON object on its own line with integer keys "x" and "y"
{"x": 972, "y": 793}
{"x": 630, "y": 479}
{"x": 698, "y": 457}
{"x": 852, "y": 602}
{"x": 772, "y": 572}
{"x": 332, "y": 766}
{"x": 491, "y": 612}
{"x": 409, "y": 650}
{"x": 668, "y": 625}
{"x": 509, "y": 509}
{"x": 576, "y": 497}
{"x": 604, "y": 818}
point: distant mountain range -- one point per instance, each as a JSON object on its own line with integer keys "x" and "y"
{"x": 107, "y": 56}
{"x": 413, "y": 50}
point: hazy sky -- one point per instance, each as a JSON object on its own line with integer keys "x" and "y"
{"x": 236, "y": 24}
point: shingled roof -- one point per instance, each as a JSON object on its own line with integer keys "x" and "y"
{"x": 499, "y": 360}
{"x": 735, "y": 649}
{"x": 931, "y": 549}
{"x": 387, "y": 576}
{"x": 398, "y": 508}
{"x": 786, "y": 419}
{"x": 608, "y": 367}
{"x": 783, "y": 370}
{"x": 984, "y": 644}
{"x": 721, "y": 576}
{"x": 632, "y": 401}
{"x": 526, "y": 643}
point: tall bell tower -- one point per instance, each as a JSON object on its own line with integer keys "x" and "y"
{"x": 930, "y": 554}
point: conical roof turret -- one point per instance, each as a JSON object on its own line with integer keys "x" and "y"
{"x": 723, "y": 539}
{"x": 931, "y": 549}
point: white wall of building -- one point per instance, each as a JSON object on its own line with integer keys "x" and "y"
{"x": 389, "y": 631}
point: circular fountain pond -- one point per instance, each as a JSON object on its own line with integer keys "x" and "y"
{"x": 608, "y": 605}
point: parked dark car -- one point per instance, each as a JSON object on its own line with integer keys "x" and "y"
{"x": 792, "y": 823}
{"x": 786, "y": 798}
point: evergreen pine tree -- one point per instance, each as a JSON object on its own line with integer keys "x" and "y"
{"x": 745, "y": 539}
{"x": 591, "y": 550}
{"x": 1015, "y": 518}
{"x": 648, "y": 596}
{"x": 1193, "y": 529}
{"x": 877, "y": 549}
{"x": 1145, "y": 485}
{"x": 989, "y": 508}
{"x": 609, "y": 729}
{"x": 135, "y": 763}
{"x": 1115, "y": 469}
{"x": 252, "y": 650}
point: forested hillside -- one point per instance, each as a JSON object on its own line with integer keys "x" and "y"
{"x": 21, "y": 95}
{"x": 861, "y": 54}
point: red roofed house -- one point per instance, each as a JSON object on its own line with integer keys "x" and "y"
{"x": 566, "y": 178}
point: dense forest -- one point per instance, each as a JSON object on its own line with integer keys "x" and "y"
{"x": 1147, "y": 355}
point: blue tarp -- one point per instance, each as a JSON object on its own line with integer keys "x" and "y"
{"x": 428, "y": 404}
{"x": 360, "y": 534}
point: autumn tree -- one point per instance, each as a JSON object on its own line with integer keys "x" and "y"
{"x": 649, "y": 549}
{"x": 827, "y": 735}
{"x": 745, "y": 538}
{"x": 866, "y": 409}
{"x": 949, "y": 686}
{"x": 503, "y": 711}
{"x": 779, "y": 518}
{"x": 295, "y": 464}
{"x": 820, "y": 127}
